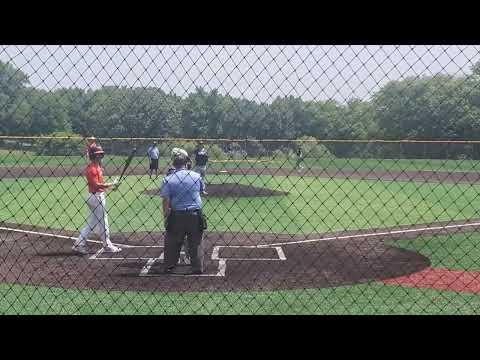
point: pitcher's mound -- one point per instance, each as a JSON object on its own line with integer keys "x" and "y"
{"x": 231, "y": 190}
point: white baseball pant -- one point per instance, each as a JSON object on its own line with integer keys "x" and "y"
{"x": 97, "y": 221}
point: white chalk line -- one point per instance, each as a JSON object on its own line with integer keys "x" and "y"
{"x": 343, "y": 237}
{"x": 281, "y": 254}
{"x": 216, "y": 250}
{"x": 73, "y": 238}
{"x": 278, "y": 246}
{"x": 376, "y": 234}
{"x": 150, "y": 261}
{"x": 101, "y": 251}
{"x": 222, "y": 267}
{"x": 147, "y": 267}
{"x": 94, "y": 256}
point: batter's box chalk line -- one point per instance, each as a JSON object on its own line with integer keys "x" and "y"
{"x": 216, "y": 250}
{"x": 101, "y": 251}
{"x": 222, "y": 262}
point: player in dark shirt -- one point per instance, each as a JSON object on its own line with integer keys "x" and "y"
{"x": 300, "y": 158}
{"x": 201, "y": 159}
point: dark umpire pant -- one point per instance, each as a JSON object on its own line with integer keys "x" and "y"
{"x": 181, "y": 224}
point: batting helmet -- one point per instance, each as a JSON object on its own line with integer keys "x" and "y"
{"x": 95, "y": 152}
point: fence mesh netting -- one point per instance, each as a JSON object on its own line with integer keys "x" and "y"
{"x": 332, "y": 179}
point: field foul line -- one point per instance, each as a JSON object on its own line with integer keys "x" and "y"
{"x": 393, "y": 232}
{"x": 74, "y": 238}
{"x": 275, "y": 245}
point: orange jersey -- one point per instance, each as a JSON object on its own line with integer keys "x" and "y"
{"x": 94, "y": 174}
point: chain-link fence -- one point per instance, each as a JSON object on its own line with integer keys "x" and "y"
{"x": 319, "y": 179}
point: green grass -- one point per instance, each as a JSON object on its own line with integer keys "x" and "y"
{"x": 26, "y": 158}
{"x": 454, "y": 252}
{"x": 312, "y": 205}
{"x": 393, "y": 164}
{"x": 326, "y": 203}
{"x": 360, "y": 299}
{"x": 30, "y": 159}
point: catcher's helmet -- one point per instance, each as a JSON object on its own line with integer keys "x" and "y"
{"x": 95, "y": 152}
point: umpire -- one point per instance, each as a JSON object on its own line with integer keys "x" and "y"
{"x": 182, "y": 211}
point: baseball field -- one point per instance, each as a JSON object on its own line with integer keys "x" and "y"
{"x": 341, "y": 236}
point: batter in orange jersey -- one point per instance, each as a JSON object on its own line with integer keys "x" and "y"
{"x": 98, "y": 218}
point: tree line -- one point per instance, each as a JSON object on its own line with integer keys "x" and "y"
{"x": 436, "y": 107}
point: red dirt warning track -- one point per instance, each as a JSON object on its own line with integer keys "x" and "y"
{"x": 440, "y": 279}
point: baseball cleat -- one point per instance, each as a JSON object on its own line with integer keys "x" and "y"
{"x": 112, "y": 249}
{"x": 80, "y": 249}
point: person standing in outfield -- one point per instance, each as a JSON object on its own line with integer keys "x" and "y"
{"x": 300, "y": 157}
{"x": 98, "y": 219}
{"x": 201, "y": 159}
{"x": 91, "y": 143}
{"x": 153, "y": 155}
{"x": 182, "y": 211}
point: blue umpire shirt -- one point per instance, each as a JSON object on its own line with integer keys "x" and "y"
{"x": 183, "y": 189}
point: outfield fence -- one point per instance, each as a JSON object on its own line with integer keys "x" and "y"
{"x": 349, "y": 186}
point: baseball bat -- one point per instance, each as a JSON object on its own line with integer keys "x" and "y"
{"x": 127, "y": 163}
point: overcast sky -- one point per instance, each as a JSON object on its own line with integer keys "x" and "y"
{"x": 259, "y": 73}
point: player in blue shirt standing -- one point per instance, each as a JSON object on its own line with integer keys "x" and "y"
{"x": 182, "y": 211}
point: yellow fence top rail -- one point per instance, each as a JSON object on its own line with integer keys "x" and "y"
{"x": 319, "y": 141}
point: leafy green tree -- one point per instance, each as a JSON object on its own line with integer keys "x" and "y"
{"x": 14, "y": 109}
{"x": 66, "y": 144}
{"x": 76, "y": 103}
{"x": 48, "y": 113}
{"x": 311, "y": 148}
{"x": 194, "y": 115}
